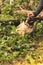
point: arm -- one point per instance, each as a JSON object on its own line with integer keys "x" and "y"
{"x": 39, "y": 8}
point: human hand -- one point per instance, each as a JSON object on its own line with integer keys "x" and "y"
{"x": 30, "y": 15}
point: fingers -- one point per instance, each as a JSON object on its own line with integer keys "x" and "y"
{"x": 30, "y": 14}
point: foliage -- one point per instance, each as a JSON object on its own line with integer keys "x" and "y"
{"x": 12, "y": 45}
